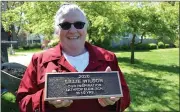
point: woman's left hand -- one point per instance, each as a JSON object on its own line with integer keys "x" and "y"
{"x": 108, "y": 101}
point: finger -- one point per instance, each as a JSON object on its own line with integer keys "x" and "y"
{"x": 58, "y": 103}
{"x": 67, "y": 103}
{"x": 50, "y": 102}
{"x": 108, "y": 101}
{"x": 101, "y": 102}
{"x": 54, "y": 71}
{"x": 108, "y": 69}
{"x": 54, "y": 102}
{"x": 114, "y": 98}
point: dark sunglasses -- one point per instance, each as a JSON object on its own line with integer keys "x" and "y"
{"x": 67, "y": 25}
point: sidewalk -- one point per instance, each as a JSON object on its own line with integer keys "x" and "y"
{"x": 22, "y": 59}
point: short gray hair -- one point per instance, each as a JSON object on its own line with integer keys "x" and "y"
{"x": 63, "y": 10}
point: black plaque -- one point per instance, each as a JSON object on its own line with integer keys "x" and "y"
{"x": 85, "y": 85}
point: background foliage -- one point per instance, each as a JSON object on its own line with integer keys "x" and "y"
{"x": 106, "y": 19}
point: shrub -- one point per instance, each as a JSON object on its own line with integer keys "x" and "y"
{"x": 25, "y": 47}
{"x": 124, "y": 47}
{"x": 35, "y": 45}
{"x": 53, "y": 43}
{"x": 141, "y": 47}
{"x": 167, "y": 45}
{"x": 152, "y": 46}
{"x": 31, "y": 46}
{"x": 161, "y": 45}
{"x": 145, "y": 47}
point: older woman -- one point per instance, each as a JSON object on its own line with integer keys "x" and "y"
{"x": 71, "y": 26}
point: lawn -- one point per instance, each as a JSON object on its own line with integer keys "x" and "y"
{"x": 8, "y": 103}
{"x": 153, "y": 80}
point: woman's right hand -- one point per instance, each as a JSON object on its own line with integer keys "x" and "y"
{"x": 60, "y": 103}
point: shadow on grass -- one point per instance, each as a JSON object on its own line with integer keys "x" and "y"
{"x": 150, "y": 92}
{"x": 148, "y": 66}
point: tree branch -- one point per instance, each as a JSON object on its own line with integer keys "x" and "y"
{"x": 3, "y": 20}
{"x": 141, "y": 38}
{"x": 12, "y": 6}
{"x": 18, "y": 30}
{"x": 7, "y": 5}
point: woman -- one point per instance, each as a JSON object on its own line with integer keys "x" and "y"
{"x": 71, "y": 26}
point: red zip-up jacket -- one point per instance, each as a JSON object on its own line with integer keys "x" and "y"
{"x": 31, "y": 89}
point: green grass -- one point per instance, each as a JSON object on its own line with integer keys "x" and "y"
{"x": 8, "y": 103}
{"x": 153, "y": 80}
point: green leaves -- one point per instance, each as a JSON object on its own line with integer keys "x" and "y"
{"x": 105, "y": 18}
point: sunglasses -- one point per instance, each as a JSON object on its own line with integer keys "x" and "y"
{"x": 67, "y": 25}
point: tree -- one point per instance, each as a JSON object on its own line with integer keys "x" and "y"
{"x": 106, "y": 19}
{"x": 103, "y": 21}
{"x": 149, "y": 19}
{"x": 12, "y": 17}
{"x": 33, "y": 17}
{"x": 40, "y": 18}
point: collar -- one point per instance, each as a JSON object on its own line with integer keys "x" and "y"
{"x": 95, "y": 53}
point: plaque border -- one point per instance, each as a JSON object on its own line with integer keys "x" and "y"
{"x": 82, "y": 97}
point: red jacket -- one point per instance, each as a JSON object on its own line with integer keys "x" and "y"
{"x": 31, "y": 89}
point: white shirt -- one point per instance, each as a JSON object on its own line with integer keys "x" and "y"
{"x": 78, "y": 62}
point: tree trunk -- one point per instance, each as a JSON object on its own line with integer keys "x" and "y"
{"x": 133, "y": 45}
{"x": 132, "y": 48}
{"x": 14, "y": 36}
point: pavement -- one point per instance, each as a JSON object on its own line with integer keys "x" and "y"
{"x": 23, "y": 59}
